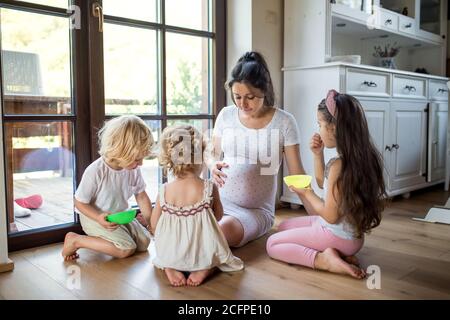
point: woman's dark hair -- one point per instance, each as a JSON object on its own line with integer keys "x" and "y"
{"x": 252, "y": 69}
{"x": 360, "y": 183}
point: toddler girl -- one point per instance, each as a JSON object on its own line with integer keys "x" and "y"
{"x": 185, "y": 219}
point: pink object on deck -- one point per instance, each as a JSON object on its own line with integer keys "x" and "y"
{"x": 31, "y": 202}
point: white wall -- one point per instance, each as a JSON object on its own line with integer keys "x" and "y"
{"x": 3, "y": 230}
{"x": 256, "y": 25}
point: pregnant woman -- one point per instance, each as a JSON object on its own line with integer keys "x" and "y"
{"x": 253, "y": 136}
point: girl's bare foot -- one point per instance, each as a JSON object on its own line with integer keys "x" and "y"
{"x": 330, "y": 260}
{"x": 69, "y": 251}
{"x": 197, "y": 277}
{"x": 176, "y": 278}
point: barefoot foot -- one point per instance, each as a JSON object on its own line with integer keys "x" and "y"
{"x": 197, "y": 277}
{"x": 69, "y": 251}
{"x": 331, "y": 261}
{"x": 176, "y": 278}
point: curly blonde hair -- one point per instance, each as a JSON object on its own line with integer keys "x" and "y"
{"x": 181, "y": 150}
{"x": 125, "y": 139}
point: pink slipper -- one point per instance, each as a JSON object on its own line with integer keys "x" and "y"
{"x": 31, "y": 202}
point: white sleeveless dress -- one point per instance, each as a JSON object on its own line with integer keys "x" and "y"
{"x": 189, "y": 238}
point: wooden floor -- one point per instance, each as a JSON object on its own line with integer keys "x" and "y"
{"x": 414, "y": 259}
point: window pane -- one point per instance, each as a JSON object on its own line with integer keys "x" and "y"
{"x": 130, "y": 70}
{"x": 188, "y": 82}
{"x": 150, "y": 169}
{"x": 36, "y": 63}
{"x": 40, "y": 172}
{"x": 52, "y": 3}
{"x": 132, "y": 9}
{"x": 192, "y": 14}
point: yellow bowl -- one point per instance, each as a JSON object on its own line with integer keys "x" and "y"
{"x": 298, "y": 181}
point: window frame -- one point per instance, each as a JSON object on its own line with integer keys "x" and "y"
{"x": 88, "y": 92}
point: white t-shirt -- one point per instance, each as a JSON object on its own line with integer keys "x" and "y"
{"x": 254, "y": 157}
{"x": 108, "y": 189}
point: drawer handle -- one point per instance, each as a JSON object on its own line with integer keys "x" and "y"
{"x": 409, "y": 25}
{"x": 388, "y": 21}
{"x": 442, "y": 90}
{"x": 370, "y": 84}
{"x": 410, "y": 88}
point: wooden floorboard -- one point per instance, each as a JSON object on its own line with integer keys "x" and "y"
{"x": 414, "y": 259}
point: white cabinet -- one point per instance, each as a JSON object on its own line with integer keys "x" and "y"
{"x": 437, "y": 140}
{"x": 407, "y": 133}
{"x": 408, "y": 129}
{"x": 377, "y": 115}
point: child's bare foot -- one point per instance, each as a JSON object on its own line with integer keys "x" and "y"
{"x": 330, "y": 260}
{"x": 69, "y": 251}
{"x": 176, "y": 278}
{"x": 197, "y": 277}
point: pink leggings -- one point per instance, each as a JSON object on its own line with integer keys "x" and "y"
{"x": 300, "y": 239}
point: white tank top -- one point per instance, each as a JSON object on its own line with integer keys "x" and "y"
{"x": 341, "y": 228}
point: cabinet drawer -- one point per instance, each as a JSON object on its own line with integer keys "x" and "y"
{"x": 407, "y": 25}
{"x": 389, "y": 20}
{"x": 368, "y": 83}
{"x": 438, "y": 90}
{"x": 405, "y": 87}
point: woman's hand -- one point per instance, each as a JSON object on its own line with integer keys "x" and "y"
{"x": 101, "y": 219}
{"x": 218, "y": 176}
{"x": 316, "y": 144}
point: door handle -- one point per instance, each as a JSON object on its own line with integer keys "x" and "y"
{"x": 387, "y": 148}
{"x": 97, "y": 11}
{"x": 395, "y": 146}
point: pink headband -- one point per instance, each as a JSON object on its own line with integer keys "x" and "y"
{"x": 330, "y": 101}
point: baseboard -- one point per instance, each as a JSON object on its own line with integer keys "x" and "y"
{"x": 5, "y": 267}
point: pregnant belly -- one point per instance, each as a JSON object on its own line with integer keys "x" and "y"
{"x": 245, "y": 186}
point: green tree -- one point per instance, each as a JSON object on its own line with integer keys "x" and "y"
{"x": 186, "y": 97}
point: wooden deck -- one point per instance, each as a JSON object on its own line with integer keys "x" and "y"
{"x": 414, "y": 258}
{"x": 57, "y": 193}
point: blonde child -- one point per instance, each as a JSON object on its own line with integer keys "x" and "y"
{"x": 107, "y": 185}
{"x": 354, "y": 190}
{"x": 185, "y": 218}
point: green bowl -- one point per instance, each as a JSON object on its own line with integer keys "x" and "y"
{"x": 123, "y": 217}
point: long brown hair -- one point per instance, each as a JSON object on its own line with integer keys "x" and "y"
{"x": 360, "y": 183}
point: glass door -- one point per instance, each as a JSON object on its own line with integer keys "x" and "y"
{"x": 39, "y": 114}
{"x": 163, "y": 60}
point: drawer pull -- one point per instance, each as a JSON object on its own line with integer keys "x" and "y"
{"x": 370, "y": 84}
{"x": 388, "y": 21}
{"x": 407, "y": 26}
{"x": 442, "y": 90}
{"x": 395, "y": 146}
{"x": 410, "y": 88}
{"x": 388, "y": 148}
